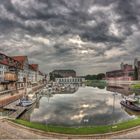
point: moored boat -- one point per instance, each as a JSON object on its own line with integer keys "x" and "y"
{"x": 131, "y": 104}
{"x": 25, "y": 102}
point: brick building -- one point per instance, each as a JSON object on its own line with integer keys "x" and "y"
{"x": 126, "y": 73}
{"x": 64, "y": 73}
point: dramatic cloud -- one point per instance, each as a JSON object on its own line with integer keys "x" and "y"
{"x": 90, "y": 36}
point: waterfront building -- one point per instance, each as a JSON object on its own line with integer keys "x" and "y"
{"x": 126, "y": 73}
{"x": 38, "y": 76}
{"x": 23, "y": 73}
{"x": 70, "y": 81}
{"x": 29, "y": 73}
{"x": 8, "y": 72}
{"x": 41, "y": 77}
{"x": 36, "y": 69}
{"x": 32, "y": 75}
{"x": 64, "y": 73}
{"x": 47, "y": 77}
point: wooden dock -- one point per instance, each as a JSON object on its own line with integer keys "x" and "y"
{"x": 17, "y": 113}
{"x": 17, "y": 110}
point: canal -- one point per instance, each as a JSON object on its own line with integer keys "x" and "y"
{"x": 89, "y": 106}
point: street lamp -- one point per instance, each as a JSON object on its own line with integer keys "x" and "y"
{"x": 113, "y": 110}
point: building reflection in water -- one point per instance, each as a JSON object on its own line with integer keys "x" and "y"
{"x": 119, "y": 88}
{"x": 130, "y": 112}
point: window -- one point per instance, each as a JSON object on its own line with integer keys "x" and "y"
{"x": 1, "y": 72}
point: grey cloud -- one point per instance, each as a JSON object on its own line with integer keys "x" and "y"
{"x": 101, "y": 25}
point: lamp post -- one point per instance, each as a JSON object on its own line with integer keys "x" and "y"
{"x": 113, "y": 110}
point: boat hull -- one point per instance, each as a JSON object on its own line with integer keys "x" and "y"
{"x": 132, "y": 107}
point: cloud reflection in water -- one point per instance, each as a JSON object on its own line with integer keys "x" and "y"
{"x": 88, "y": 106}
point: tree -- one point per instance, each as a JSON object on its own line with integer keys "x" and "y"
{"x": 90, "y": 77}
{"x": 53, "y": 76}
{"x": 100, "y": 76}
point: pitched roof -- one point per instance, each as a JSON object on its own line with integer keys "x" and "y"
{"x": 21, "y": 59}
{"x": 41, "y": 73}
{"x": 31, "y": 68}
{"x": 34, "y": 66}
{"x": 9, "y": 61}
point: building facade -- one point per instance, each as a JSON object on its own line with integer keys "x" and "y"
{"x": 8, "y": 72}
{"x": 64, "y": 73}
{"x": 23, "y": 73}
{"x": 126, "y": 73}
{"x": 32, "y": 75}
{"x": 70, "y": 81}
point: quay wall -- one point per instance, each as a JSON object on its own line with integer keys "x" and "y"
{"x": 11, "y": 98}
{"x": 121, "y": 82}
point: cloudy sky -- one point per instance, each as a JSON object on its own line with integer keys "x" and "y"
{"x": 90, "y": 36}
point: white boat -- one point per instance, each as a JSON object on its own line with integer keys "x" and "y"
{"x": 25, "y": 102}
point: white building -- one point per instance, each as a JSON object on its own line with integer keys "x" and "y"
{"x": 32, "y": 75}
{"x": 70, "y": 81}
{"x": 3, "y": 69}
{"x": 24, "y": 71}
{"x": 20, "y": 75}
{"x": 40, "y": 77}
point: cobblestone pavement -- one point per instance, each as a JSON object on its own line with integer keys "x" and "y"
{"x": 130, "y": 135}
{"x": 8, "y": 131}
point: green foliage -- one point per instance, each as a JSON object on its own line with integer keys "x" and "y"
{"x": 53, "y": 76}
{"x": 135, "y": 86}
{"x": 96, "y": 83}
{"x": 81, "y": 130}
{"x": 99, "y": 76}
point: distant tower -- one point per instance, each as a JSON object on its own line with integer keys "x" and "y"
{"x": 136, "y": 63}
{"x": 122, "y": 66}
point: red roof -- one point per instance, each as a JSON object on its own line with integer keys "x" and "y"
{"x": 34, "y": 66}
{"x": 21, "y": 59}
{"x": 31, "y": 67}
{"x": 6, "y": 61}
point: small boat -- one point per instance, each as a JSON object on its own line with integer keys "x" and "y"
{"x": 131, "y": 104}
{"x": 25, "y": 102}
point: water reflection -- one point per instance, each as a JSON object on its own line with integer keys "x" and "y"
{"x": 88, "y": 106}
{"x": 120, "y": 88}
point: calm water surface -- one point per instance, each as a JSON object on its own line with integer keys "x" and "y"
{"x": 88, "y": 106}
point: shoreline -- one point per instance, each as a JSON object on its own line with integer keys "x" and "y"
{"x": 64, "y": 135}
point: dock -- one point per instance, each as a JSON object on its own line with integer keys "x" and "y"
{"x": 17, "y": 113}
{"x": 17, "y": 110}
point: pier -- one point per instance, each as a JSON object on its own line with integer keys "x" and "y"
{"x": 17, "y": 110}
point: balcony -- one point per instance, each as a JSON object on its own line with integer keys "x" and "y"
{"x": 10, "y": 76}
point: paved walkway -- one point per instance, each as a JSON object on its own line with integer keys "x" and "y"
{"x": 130, "y": 135}
{"x": 8, "y": 131}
